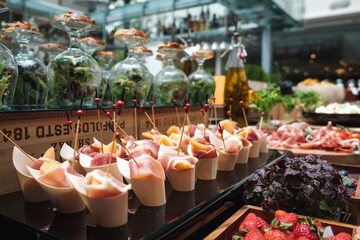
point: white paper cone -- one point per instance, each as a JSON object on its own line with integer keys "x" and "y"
{"x": 243, "y": 156}
{"x": 255, "y": 149}
{"x": 206, "y": 169}
{"x": 263, "y": 144}
{"x": 66, "y": 200}
{"x": 182, "y": 180}
{"x": 226, "y": 161}
{"x": 67, "y": 154}
{"x": 29, "y": 186}
{"x": 108, "y": 212}
{"x": 114, "y": 170}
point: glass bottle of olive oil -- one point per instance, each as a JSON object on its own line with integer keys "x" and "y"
{"x": 236, "y": 85}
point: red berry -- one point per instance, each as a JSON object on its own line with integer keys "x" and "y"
{"x": 342, "y": 236}
{"x": 108, "y": 114}
{"x": 354, "y": 193}
{"x": 212, "y": 105}
{"x": 79, "y": 112}
{"x": 228, "y": 113}
{"x": 252, "y": 221}
{"x": 303, "y": 238}
{"x": 214, "y": 98}
{"x": 135, "y": 101}
{"x": 152, "y": 103}
{"x": 262, "y": 113}
{"x": 174, "y": 101}
{"x": 276, "y": 234}
{"x": 262, "y": 223}
{"x": 141, "y": 106}
{"x": 117, "y": 135}
{"x": 202, "y": 110}
{"x": 114, "y": 106}
{"x": 254, "y": 234}
{"x": 280, "y": 213}
{"x": 241, "y": 102}
{"x": 120, "y": 104}
{"x": 289, "y": 218}
{"x": 319, "y": 225}
{"x": 188, "y": 105}
{"x": 206, "y": 105}
{"x": 304, "y": 230}
{"x": 185, "y": 108}
{"x": 230, "y": 99}
{"x": 69, "y": 123}
{"x": 97, "y": 100}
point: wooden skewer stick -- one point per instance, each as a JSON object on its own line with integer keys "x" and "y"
{"x": 177, "y": 111}
{"x": 135, "y": 119}
{"x": 79, "y": 113}
{"x": 128, "y": 151}
{"x": 152, "y": 108}
{"x": 222, "y": 136}
{"x": 98, "y": 100}
{"x": 230, "y": 108}
{"x": 10, "y": 140}
{"x": 113, "y": 143}
{"x": 203, "y": 114}
{"x": 183, "y": 126}
{"x": 243, "y": 111}
{"x": 147, "y": 115}
{"x": 206, "y": 107}
{"x": 69, "y": 123}
{"x": 215, "y": 113}
{"x": 261, "y": 120}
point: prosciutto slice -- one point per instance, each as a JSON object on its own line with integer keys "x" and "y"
{"x": 169, "y": 159}
{"x": 210, "y": 154}
{"x": 102, "y": 159}
{"x": 249, "y": 134}
{"x": 146, "y": 166}
{"x": 99, "y": 184}
{"x": 56, "y": 177}
{"x": 150, "y": 145}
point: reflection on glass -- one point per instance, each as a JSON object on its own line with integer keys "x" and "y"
{"x": 170, "y": 83}
{"x": 73, "y": 74}
{"x": 201, "y": 83}
{"x": 205, "y": 190}
{"x": 118, "y": 233}
{"x": 146, "y": 220}
{"x": 38, "y": 215}
{"x": 52, "y": 49}
{"x": 69, "y": 226}
{"x": 31, "y": 85}
{"x": 225, "y": 179}
{"x": 130, "y": 77}
{"x": 178, "y": 204}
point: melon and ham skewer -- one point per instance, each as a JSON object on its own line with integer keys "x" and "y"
{"x": 228, "y": 151}
{"x": 104, "y": 195}
{"x": 243, "y": 155}
{"x": 179, "y": 169}
{"x": 147, "y": 178}
{"x": 251, "y": 135}
{"x": 51, "y": 178}
{"x": 206, "y": 168}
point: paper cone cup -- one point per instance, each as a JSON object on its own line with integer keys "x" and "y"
{"x": 108, "y": 212}
{"x": 114, "y": 170}
{"x": 182, "y": 180}
{"x": 255, "y": 149}
{"x": 243, "y": 156}
{"x": 263, "y": 144}
{"x": 123, "y": 166}
{"x": 66, "y": 200}
{"x": 150, "y": 191}
{"x": 67, "y": 154}
{"x": 206, "y": 169}
{"x": 226, "y": 161}
{"x": 31, "y": 190}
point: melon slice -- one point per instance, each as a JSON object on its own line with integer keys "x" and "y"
{"x": 174, "y": 136}
{"x": 227, "y": 125}
{"x": 183, "y": 165}
{"x": 50, "y": 153}
{"x": 48, "y": 166}
{"x": 108, "y": 148}
{"x": 198, "y": 146}
{"x": 148, "y": 135}
{"x": 166, "y": 141}
{"x": 173, "y": 129}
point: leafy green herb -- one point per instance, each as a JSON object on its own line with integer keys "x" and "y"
{"x": 305, "y": 185}
{"x": 310, "y": 99}
{"x": 167, "y": 91}
{"x": 289, "y": 102}
{"x": 70, "y": 80}
{"x": 201, "y": 90}
{"x": 5, "y": 80}
{"x": 266, "y": 99}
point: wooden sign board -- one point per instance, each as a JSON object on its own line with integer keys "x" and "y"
{"x": 35, "y": 132}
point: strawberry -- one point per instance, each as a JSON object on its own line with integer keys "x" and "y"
{"x": 342, "y": 236}
{"x": 303, "y": 238}
{"x": 262, "y": 223}
{"x": 304, "y": 230}
{"x": 276, "y": 234}
{"x": 329, "y": 238}
{"x": 289, "y": 218}
{"x": 254, "y": 234}
{"x": 251, "y": 221}
{"x": 291, "y": 235}
{"x": 319, "y": 225}
{"x": 280, "y": 213}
